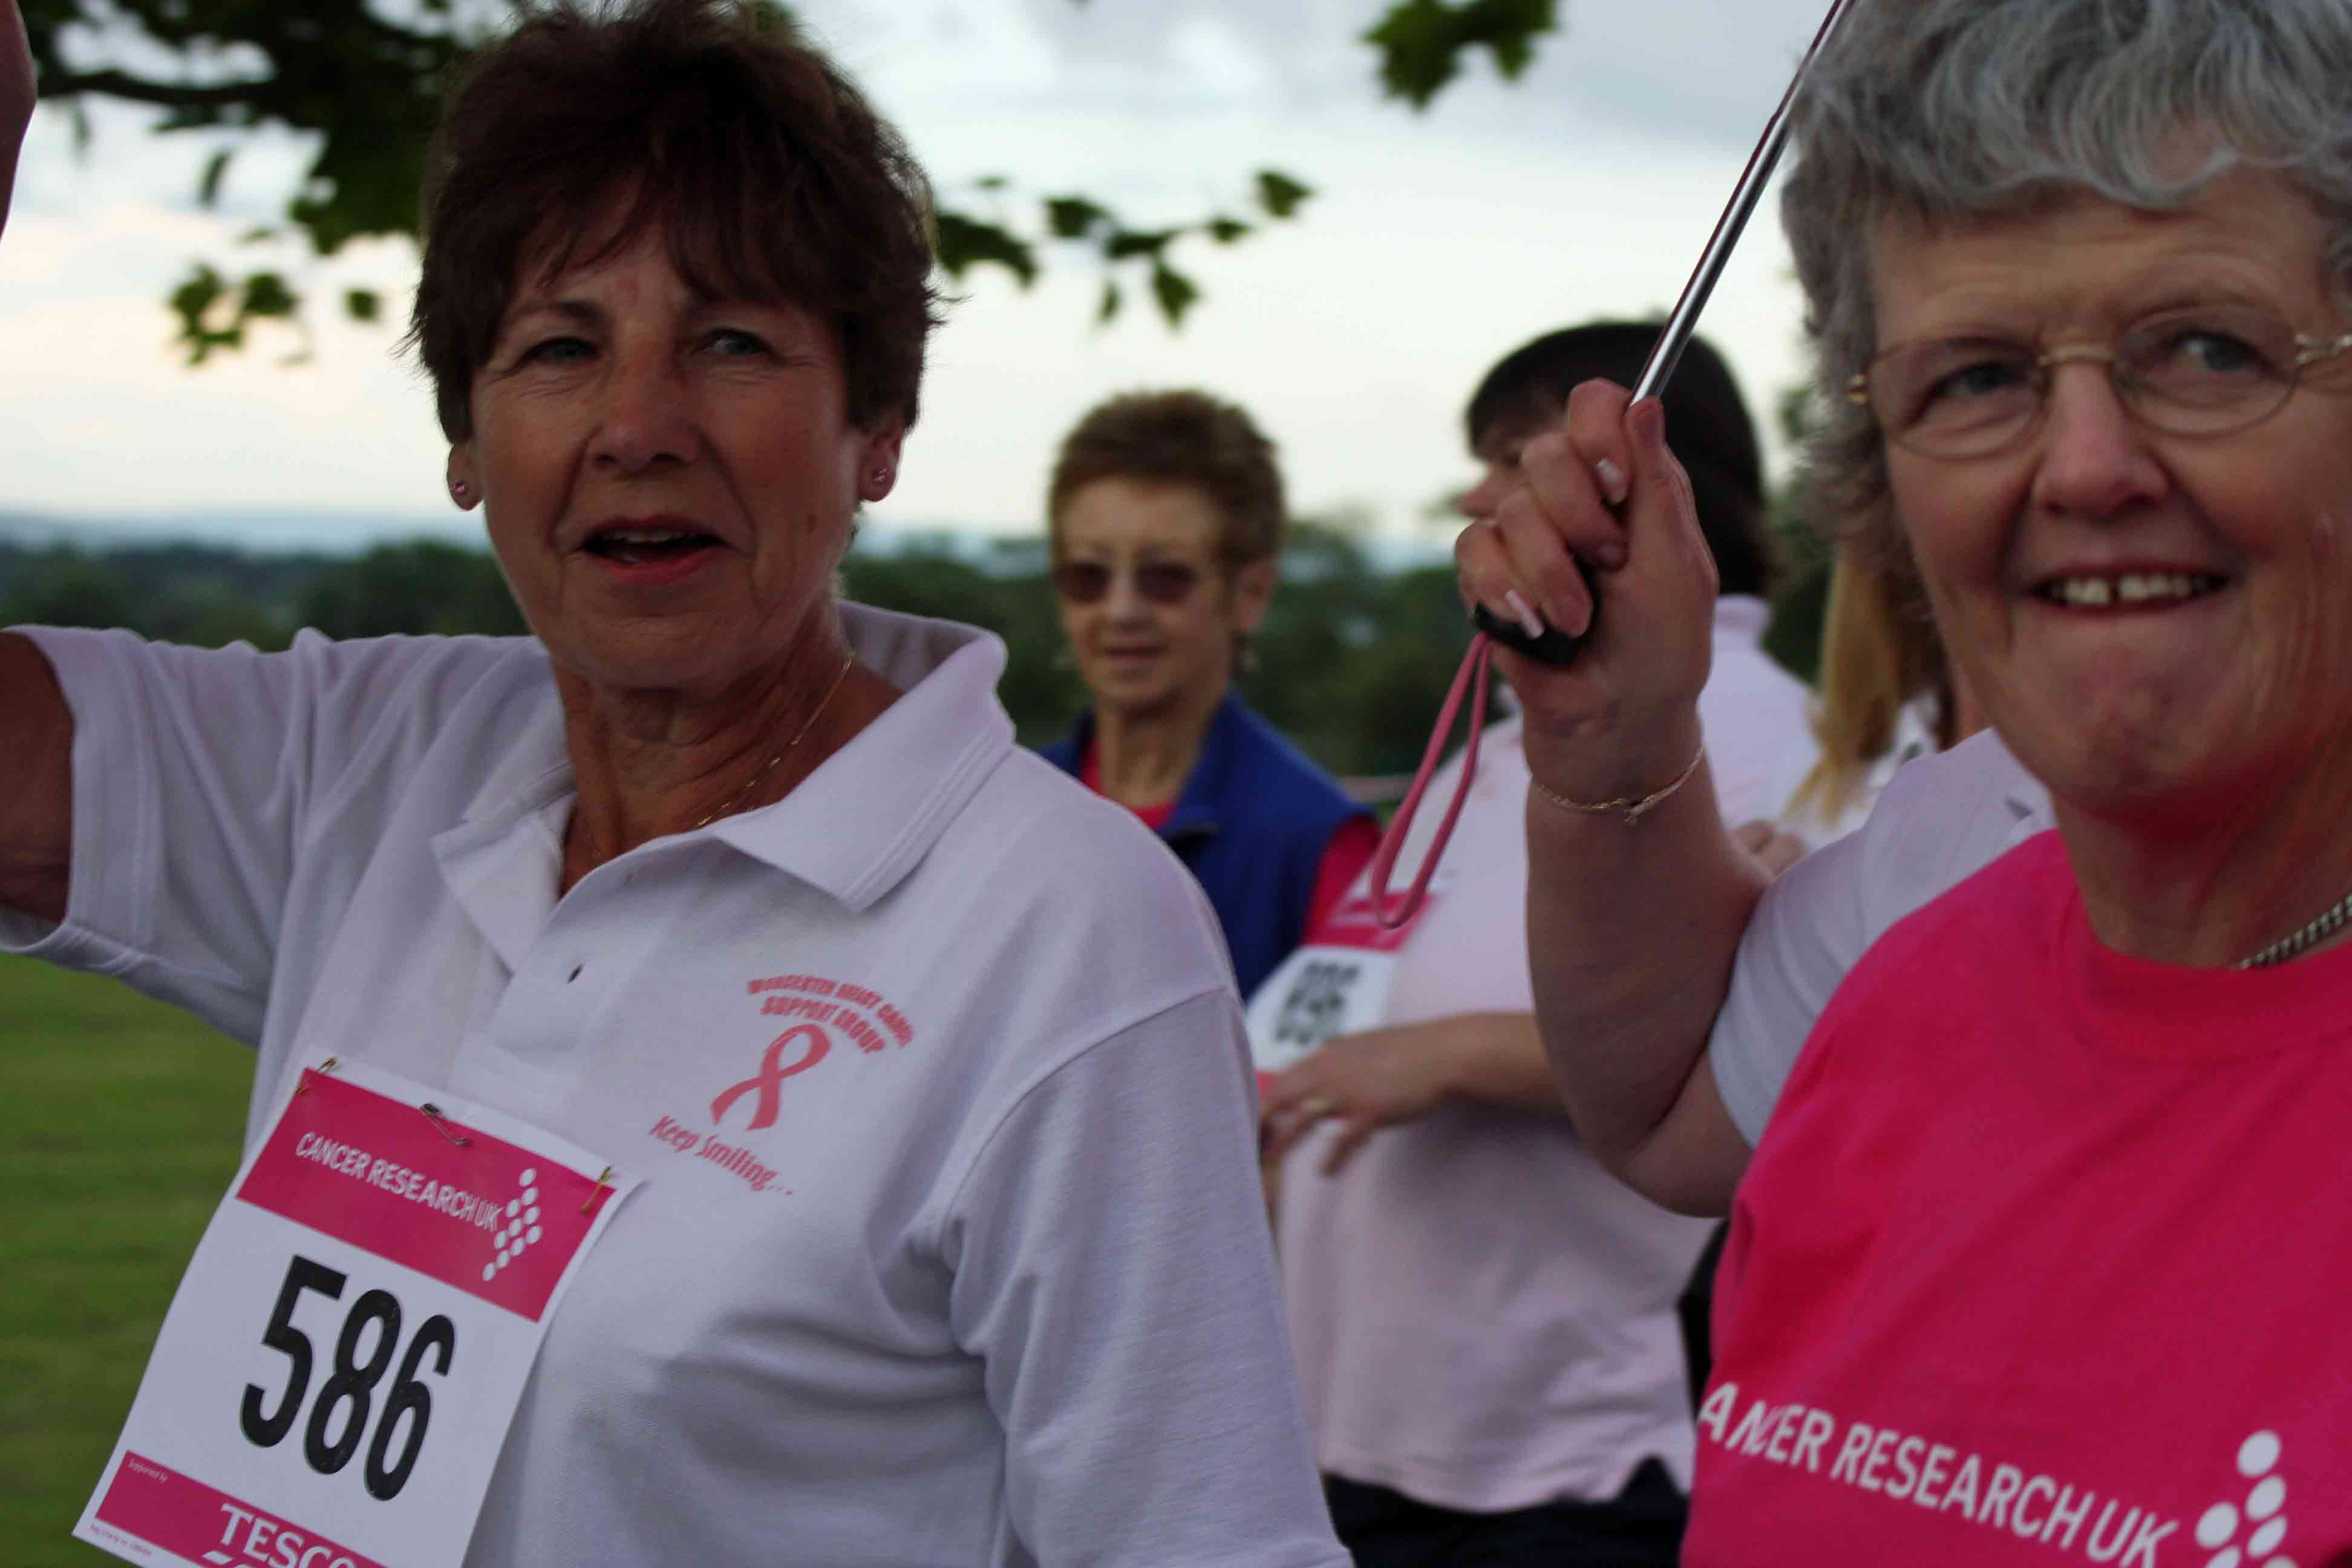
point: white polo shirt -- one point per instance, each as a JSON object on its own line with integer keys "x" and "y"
{"x": 1484, "y": 1317}
{"x": 1940, "y": 820}
{"x": 985, "y": 1277}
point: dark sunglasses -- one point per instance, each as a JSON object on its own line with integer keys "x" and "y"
{"x": 1156, "y": 581}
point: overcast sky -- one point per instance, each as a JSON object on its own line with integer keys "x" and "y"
{"x": 1436, "y": 242}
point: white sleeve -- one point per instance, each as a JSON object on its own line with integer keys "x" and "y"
{"x": 1940, "y": 821}
{"x": 1751, "y": 713}
{"x": 195, "y": 772}
{"x": 1114, "y": 1271}
{"x": 1808, "y": 930}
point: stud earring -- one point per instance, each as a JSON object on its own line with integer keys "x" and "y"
{"x": 881, "y": 477}
{"x": 461, "y": 488}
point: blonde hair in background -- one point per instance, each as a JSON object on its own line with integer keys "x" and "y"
{"x": 1879, "y": 652}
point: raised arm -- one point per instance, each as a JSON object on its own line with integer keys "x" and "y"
{"x": 15, "y": 96}
{"x": 37, "y": 780}
{"x": 36, "y": 727}
{"x": 1632, "y": 930}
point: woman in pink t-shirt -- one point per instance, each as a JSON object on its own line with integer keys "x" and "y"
{"x": 2043, "y": 1256}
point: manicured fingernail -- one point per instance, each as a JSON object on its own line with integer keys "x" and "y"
{"x": 1612, "y": 481}
{"x": 1653, "y": 416}
{"x": 1530, "y": 622}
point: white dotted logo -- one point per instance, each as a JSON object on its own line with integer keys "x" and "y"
{"x": 521, "y": 1226}
{"x": 2258, "y": 1456}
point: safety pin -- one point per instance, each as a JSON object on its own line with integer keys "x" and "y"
{"x": 320, "y": 1070}
{"x": 433, "y": 1114}
{"x": 602, "y": 1180}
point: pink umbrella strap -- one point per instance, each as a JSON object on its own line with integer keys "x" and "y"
{"x": 1475, "y": 662}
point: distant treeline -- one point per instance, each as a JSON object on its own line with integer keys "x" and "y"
{"x": 1351, "y": 663}
{"x": 210, "y": 595}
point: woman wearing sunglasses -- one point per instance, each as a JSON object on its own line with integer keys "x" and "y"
{"x": 1164, "y": 517}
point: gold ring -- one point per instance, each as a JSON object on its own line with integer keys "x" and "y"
{"x": 1315, "y": 1108}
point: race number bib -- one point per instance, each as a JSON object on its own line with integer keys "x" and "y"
{"x": 334, "y": 1379}
{"x": 1338, "y": 984}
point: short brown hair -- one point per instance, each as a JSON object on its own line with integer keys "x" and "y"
{"x": 770, "y": 173}
{"x": 1179, "y": 438}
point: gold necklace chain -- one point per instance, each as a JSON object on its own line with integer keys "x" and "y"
{"x": 769, "y": 765}
{"x": 2292, "y": 945}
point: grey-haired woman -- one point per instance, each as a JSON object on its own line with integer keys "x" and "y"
{"x": 2043, "y": 1250}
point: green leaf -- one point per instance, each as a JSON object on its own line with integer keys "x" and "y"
{"x": 1421, "y": 42}
{"x": 208, "y": 187}
{"x": 267, "y": 295}
{"x": 1126, "y": 244}
{"x": 363, "y": 304}
{"x": 1280, "y": 195}
{"x": 1070, "y": 217}
{"x": 193, "y": 302}
{"x": 965, "y": 243}
{"x": 196, "y": 295}
{"x": 1226, "y": 230}
{"x": 1175, "y": 292}
{"x": 992, "y": 182}
{"x": 1112, "y": 299}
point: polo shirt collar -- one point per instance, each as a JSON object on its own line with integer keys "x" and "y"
{"x": 853, "y": 829}
{"x": 502, "y": 860}
{"x": 857, "y": 826}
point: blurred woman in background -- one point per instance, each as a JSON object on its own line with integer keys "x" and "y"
{"x": 1485, "y": 1321}
{"x": 1164, "y": 517}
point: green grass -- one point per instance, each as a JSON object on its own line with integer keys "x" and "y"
{"x": 120, "y": 1121}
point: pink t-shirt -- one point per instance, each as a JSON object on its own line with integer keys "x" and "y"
{"x": 1484, "y": 1318}
{"x": 2044, "y": 1257}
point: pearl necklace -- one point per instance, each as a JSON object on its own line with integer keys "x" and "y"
{"x": 2288, "y": 947}
{"x": 769, "y": 765}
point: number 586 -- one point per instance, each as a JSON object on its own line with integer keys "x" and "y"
{"x": 330, "y": 1440}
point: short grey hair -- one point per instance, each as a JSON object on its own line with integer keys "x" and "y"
{"x": 1947, "y": 111}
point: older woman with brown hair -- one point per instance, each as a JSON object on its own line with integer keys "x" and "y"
{"x": 981, "y": 1276}
{"x": 1164, "y": 515}
{"x": 2043, "y": 1249}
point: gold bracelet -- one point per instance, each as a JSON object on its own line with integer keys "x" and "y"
{"x": 1632, "y": 809}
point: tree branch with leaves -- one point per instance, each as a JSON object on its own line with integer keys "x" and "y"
{"x": 368, "y": 89}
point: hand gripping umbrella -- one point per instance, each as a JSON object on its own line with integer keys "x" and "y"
{"x": 1555, "y": 648}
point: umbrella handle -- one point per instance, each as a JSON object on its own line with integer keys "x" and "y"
{"x": 1555, "y": 648}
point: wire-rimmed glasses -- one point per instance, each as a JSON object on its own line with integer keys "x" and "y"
{"x": 2206, "y": 370}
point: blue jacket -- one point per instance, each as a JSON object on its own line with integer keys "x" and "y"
{"x": 1252, "y": 824}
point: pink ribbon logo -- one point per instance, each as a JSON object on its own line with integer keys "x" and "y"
{"x": 768, "y": 1079}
